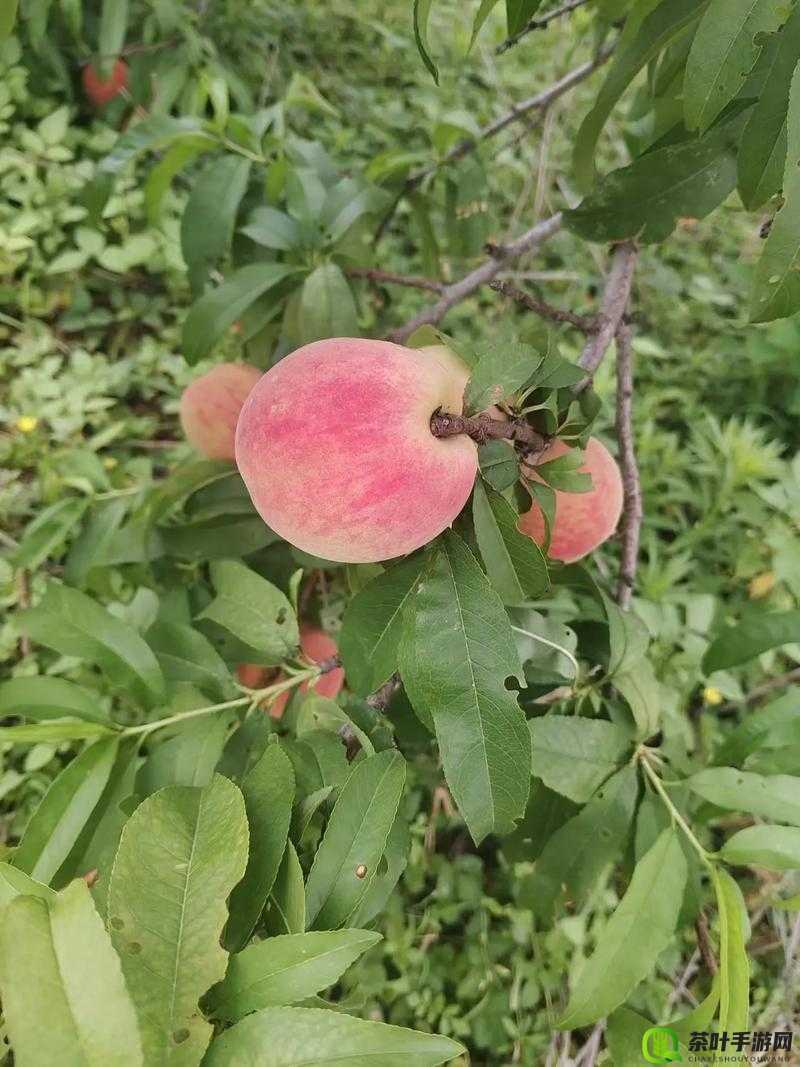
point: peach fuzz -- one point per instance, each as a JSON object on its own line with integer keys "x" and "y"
{"x": 210, "y": 408}
{"x": 335, "y": 447}
{"x": 317, "y": 646}
{"x": 582, "y": 520}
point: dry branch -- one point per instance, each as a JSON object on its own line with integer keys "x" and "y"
{"x": 612, "y": 308}
{"x": 632, "y": 499}
{"x": 460, "y": 290}
{"x": 584, "y": 323}
{"x": 540, "y": 23}
{"x": 388, "y": 277}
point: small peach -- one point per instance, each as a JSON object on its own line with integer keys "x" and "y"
{"x": 210, "y": 408}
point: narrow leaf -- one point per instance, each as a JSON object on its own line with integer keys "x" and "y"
{"x": 748, "y": 639}
{"x": 421, "y": 13}
{"x": 734, "y": 967}
{"x": 574, "y": 756}
{"x": 209, "y": 217}
{"x": 41, "y": 698}
{"x": 775, "y": 847}
{"x": 514, "y": 562}
{"x": 775, "y": 796}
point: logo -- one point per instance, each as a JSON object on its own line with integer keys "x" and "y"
{"x": 661, "y": 1045}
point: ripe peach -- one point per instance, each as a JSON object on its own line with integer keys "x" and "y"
{"x": 582, "y": 520}
{"x": 210, "y": 408}
{"x": 335, "y": 447}
{"x": 101, "y": 92}
{"x": 254, "y": 676}
{"x": 318, "y": 646}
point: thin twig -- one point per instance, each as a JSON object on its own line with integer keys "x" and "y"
{"x": 584, "y": 323}
{"x": 390, "y": 278}
{"x": 539, "y": 102}
{"x": 704, "y": 944}
{"x": 681, "y": 987}
{"x": 780, "y": 681}
{"x": 587, "y": 1055}
{"x": 540, "y": 23}
{"x": 612, "y": 309}
{"x": 382, "y": 697}
{"x": 460, "y": 290}
{"x": 633, "y": 511}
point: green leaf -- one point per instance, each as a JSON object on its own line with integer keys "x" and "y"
{"x": 776, "y": 285}
{"x": 273, "y": 229}
{"x": 394, "y": 862}
{"x": 152, "y": 134}
{"x": 762, "y": 152}
{"x": 181, "y": 483}
{"x": 499, "y": 464}
{"x": 111, "y": 36}
{"x": 775, "y": 847}
{"x": 293, "y": 1037}
{"x": 181, "y": 853}
{"x": 285, "y": 970}
{"x": 762, "y": 727}
{"x": 660, "y": 28}
{"x": 373, "y": 624}
{"x": 734, "y": 968}
{"x": 268, "y": 797}
{"x": 64, "y": 997}
{"x": 14, "y": 883}
{"x": 564, "y": 472}
{"x": 645, "y": 199}
{"x": 640, "y": 689}
{"x": 54, "y": 730}
{"x": 624, "y": 1032}
{"x": 216, "y": 311}
{"x": 627, "y": 634}
{"x": 748, "y": 639}
{"x": 254, "y": 610}
{"x": 75, "y": 625}
{"x": 501, "y": 369}
{"x": 218, "y": 538}
{"x": 286, "y": 908}
{"x": 724, "y": 51}
{"x": 49, "y": 530}
{"x": 775, "y": 796}
{"x": 8, "y": 16}
{"x": 188, "y": 758}
{"x": 42, "y": 698}
{"x": 186, "y": 656}
{"x": 789, "y": 904}
{"x": 635, "y": 935}
{"x": 64, "y": 810}
{"x": 327, "y": 307}
{"x": 514, "y": 563}
{"x": 578, "y": 851}
{"x": 179, "y": 155}
{"x": 519, "y": 13}
{"x": 422, "y": 10}
{"x": 457, "y": 652}
{"x": 574, "y": 756}
{"x": 90, "y": 547}
{"x": 209, "y": 217}
{"x": 346, "y": 862}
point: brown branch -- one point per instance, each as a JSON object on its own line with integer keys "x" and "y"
{"x": 584, "y": 323}
{"x": 612, "y": 309}
{"x": 329, "y": 664}
{"x": 632, "y": 512}
{"x": 704, "y": 944}
{"x": 539, "y": 102}
{"x": 483, "y": 428}
{"x": 780, "y": 681}
{"x": 540, "y": 23}
{"x": 382, "y": 697}
{"x": 460, "y": 290}
{"x": 390, "y": 278}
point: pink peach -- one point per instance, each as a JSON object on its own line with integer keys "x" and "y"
{"x": 210, "y": 408}
{"x": 335, "y": 447}
{"x": 318, "y": 646}
{"x": 582, "y": 520}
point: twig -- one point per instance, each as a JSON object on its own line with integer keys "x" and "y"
{"x": 483, "y": 428}
{"x": 612, "y": 308}
{"x": 704, "y": 944}
{"x": 681, "y": 987}
{"x": 585, "y": 323}
{"x": 633, "y": 511}
{"x": 540, "y": 23}
{"x": 539, "y": 102}
{"x": 780, "y": 681}
{"x": 382, "y": 697}
{"x": 390, "y": 278}
{"x": 460, "y": 290}
{"x": 587, "y": 1055}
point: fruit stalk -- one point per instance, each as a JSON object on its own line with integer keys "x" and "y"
{"x": 482, "y": 428}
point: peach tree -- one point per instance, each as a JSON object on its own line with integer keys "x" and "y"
{"x": 221, "y": 846}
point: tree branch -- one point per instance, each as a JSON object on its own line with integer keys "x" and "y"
{"x": 612, "y": 309}
{"x": 483, "y": 428}
{"x": 540, "y": 23}
{"x": 704, "y": 944}
{"x": 539, "y": 102}
{"x": 780, "y": 681}
{"x": 584, "y": 323}
{"x": 632, "y": 512}
{"x": 390, "y": 278}
{"x": 460, "y": 290}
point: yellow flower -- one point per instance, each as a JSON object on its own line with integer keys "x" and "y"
{"x": 110, "y": 463}
{"x": 761, "y": 585}
{"x": 712, "y": 695}
{"x": 27, "y": 423}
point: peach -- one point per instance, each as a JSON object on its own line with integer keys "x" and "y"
{"x": 101, "y": 92}
{"x": 582, "y": 520}
{"x": 210, "y": 408}
{"x": 335, "y": 447}
{"x": 318, "y": 646}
